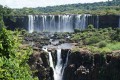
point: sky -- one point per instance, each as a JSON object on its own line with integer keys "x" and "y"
{"x": 41, "y": 3}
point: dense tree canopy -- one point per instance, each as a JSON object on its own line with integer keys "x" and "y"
{"x": 101, "y": 8}
{"x": 108, "y": 7}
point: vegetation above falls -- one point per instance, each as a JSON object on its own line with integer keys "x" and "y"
{"x": 97, "y": 8}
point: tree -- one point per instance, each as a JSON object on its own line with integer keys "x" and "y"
{"x": 13, "y": 58}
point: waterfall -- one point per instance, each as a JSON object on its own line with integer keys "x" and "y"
{"x": 31, "y": 23}
{"x": 58, "y": 69}
{"x": 80, "y": 22}
{"x": 66, "y": 25}
{"x": 66, "y": 62}
{"x": 51, "y": 60}
{"x": 59, "y": 23}
{"x": 97, "y": 21}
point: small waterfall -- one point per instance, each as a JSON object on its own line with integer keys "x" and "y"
{"x": 59, "y": 23}
{"x": 51, "y": 60}
{"x": 66, "y": 61}
{"x": 66, "y": 25}
{"x": 31, "y": 23}
{"x": 59, "y": 68}
{"x": 97, "y": 21}
{"x": 80, "y": 22}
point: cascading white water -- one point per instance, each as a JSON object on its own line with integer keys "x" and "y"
{"x": 51, "y": 61}
{"x": 81, "y": 22}
{"x": 60, "y": 23}
{"x": 59, "y": 68}
{"x": 44, "y": 22}
{"x": 31, "y": 23}
{"x": 78, "y": 20}
{"x": 66, "y": 25}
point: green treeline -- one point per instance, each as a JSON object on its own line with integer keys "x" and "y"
{"x": 99, "y": 8}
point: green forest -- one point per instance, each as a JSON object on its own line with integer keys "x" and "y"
{"x": 97, "y": 8}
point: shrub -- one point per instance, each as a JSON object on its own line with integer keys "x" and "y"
{"x": 76, "y": 30}
{"x": 102, "y": 44}
{"x": 114, "y": 46}
{"x": 92, "y": 40}
{"x": 90, "y": 26}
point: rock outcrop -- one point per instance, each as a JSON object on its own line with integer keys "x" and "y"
{"x": 86, "y": 66}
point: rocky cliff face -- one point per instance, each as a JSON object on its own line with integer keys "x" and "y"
{"x": 86, "y": 66}
{"x": 39, "y": 63}
{"x": 82, "y": 65}
{"x": 14, "y": 22}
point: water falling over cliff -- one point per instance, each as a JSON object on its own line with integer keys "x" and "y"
{"x": 58, "y": 69}
{"x": 57, "y": 23}
{"x": 31, "y": 23}
{"x": 61, "y": 23}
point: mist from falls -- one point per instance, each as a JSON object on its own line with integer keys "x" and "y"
{"x": 59, "y": 23}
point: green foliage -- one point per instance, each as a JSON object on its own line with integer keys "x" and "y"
{"x": 90, "y": 27}
{"x": 98, "y": 40}
{"x": 13, "y": 57}
{"x": 103, "y": 50}
{"x": 114, "y": 46}
{"x": 92, "y": 40}
{"x": 102, "y": 44}
{"x": 75, "y": 37}
{"x": 76, "y": 30}
{"x": 99, "y": 8}
{"x": 116, "y": 35}
{"x": 7, "y": 41}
